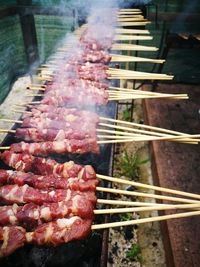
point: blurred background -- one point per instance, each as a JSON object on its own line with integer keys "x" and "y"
{"x": 30, "y": 31}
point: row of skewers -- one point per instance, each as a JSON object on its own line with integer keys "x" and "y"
{"x": 49, "y": 130}
{"x": 44, "y": 202}
{"x": 54, "y": 203}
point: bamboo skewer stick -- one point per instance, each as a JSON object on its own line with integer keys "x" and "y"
{"x": 124, "y": 135}
{"x": 48, "y": 79}
{"x": 134, "y": 90}
{"x": 138, "y": 77}
{"x": 49, "y": 68}
{"x": 124, "y": 58}
{"x": 97, "y": 130}
{"x": 124, "y": 97}
{"x": 7, "y": 131}
{"x": 131, "y": 31}
{"x": 123, "y": 91}
{"x": 111, "y": 71}
{"x": 126, "y": 16}
{"x": 98, "y": 136}
{"x": 133, "y": 47}
{"x": 116, "y": 136}
{"x": 132, "y": 138}
{"x": 163, "y": 137}
{"x": 143, "y": 139}
{"x": 125, "y": 71}
{"x": 154, "y": 135}
{"x": 138, "y": 23}
{"x": 114, "y": 71}
{"x": 129, "y": 203}
{"x": 121, "y": 75}
{"x": 129, "y": 12}
{"x": 145, "y": 220}
{"x": 137, "y": 93}
{"x": 37, "y": 85}
{"x": 146, "y": 195}
{"x": 134, "y": 95}
{"x": 142, "y": 209}
{"x": 128, "y": 92}
{"x": 129, "y": 9}
{"x": 117, "y": 132}
{"x": 134, "y": 130}
{"x": 147, "y": 186}
{"x": 146, "y": 135}
{"x": 21, "y": 111}
{"x": 144, "y": 126}
{"x": 131, "y": 38}
{"x": 28, "y": 103}
{"x": 33, "y": 95}
{"x": 138, "y": 138}
{"x": 160, "y": 135}
{"x": 129, "y": 19}
{"x": 36, "y": 88}
{"x": 4, "y": 148}
{"x": 132, "y": 23}
{"x": 122, "y": 19}
{"x": 115, "y": 58}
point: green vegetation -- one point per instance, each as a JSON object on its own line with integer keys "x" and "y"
{"x": 134, "y": 253}
{"x": 126, "y": 216}
{"x": 50, "y": 30}
{"x": 129, "y": 165}
{"x": 12, "y": 54}
{"x": 126, "y": 114}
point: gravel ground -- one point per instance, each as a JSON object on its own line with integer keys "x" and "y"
{"x": 146, "y": 237}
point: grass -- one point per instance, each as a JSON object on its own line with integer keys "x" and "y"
{"x": 126, "y": 216}
{"x": 126, "y": 114}
{"x": 134, "y": 253}
{"x": 129, "y": 165}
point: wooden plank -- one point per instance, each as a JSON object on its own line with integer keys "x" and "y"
{"x": 177, "y": 166}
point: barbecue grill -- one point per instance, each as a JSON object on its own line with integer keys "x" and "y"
{"x": 90, "y": 252}
{"x": 93, "y": 250}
